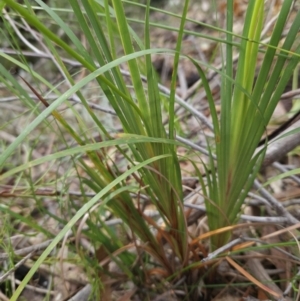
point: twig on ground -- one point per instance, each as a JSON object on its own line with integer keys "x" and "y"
{"x": 250, "y": 218}
{"x": 279, "y": 147}
{"x": 290, "y": 94}
{"x": 222, "y": 249}
{"x": 291, "y": 203}
{"x": 194, "y": 146}
{"x": 280, "y": 210}
{"x": 18, "y": 264}
{"x": 27, "y": 250}
{"x": 258, "y": 198}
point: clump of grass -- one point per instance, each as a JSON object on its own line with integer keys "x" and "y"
{"x": 162, "y": 245}
{"x": 246, "y": 108}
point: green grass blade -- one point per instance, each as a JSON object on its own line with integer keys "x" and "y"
{"x": 133, "y": 65}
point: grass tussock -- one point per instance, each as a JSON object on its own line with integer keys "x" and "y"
{"x": 96, "y": 177}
